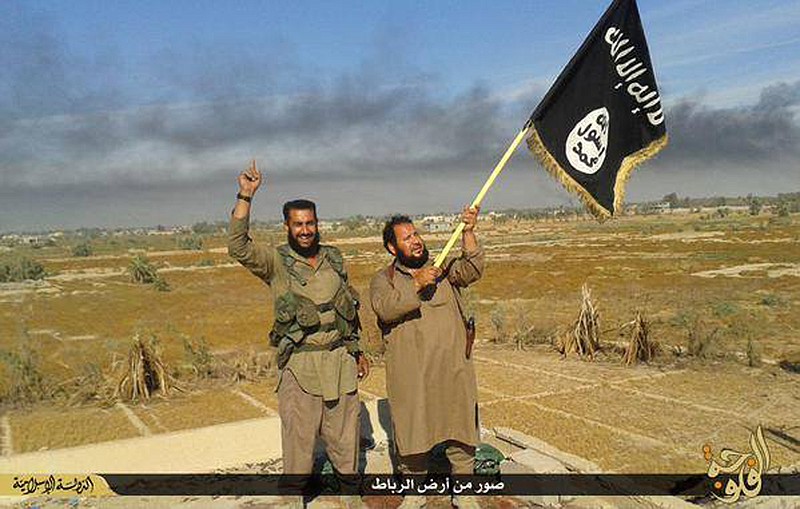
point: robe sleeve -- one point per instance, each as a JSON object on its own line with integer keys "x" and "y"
{"x": 466, "y": 269}
{"x": 391, "y": 301}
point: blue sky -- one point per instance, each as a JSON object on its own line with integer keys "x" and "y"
{"x": 143, "y": 112}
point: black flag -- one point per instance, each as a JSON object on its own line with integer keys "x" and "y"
{"x": 603, "y": 115}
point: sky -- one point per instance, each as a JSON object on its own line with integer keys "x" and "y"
{"x": 143, "y": 113}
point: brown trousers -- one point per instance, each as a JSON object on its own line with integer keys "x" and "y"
{"x": 461, "y": 457}
{"x": 305, "y": 417}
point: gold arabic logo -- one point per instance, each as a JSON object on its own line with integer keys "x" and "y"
{"x": 50, "y": 484}
{"x": 742, "y": 469}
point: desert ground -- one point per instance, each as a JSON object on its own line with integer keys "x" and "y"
{"x": 720, "y": 295}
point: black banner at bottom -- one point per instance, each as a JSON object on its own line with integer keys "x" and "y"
{"x": 512, "y": 484}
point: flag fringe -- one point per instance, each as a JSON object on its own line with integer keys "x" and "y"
{"x": 550, "y": 164}
{"x": 630, "y": 163}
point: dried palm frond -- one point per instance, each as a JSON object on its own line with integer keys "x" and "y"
{"x": 249, "y": 366}
{"x": 94, "y": 385}
{"x": 144, "y": 372}
{"x": 584, "y": 336}
{"x": 640, "y": 347}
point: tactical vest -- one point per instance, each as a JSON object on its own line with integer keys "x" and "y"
{"x": 297, "y": 317}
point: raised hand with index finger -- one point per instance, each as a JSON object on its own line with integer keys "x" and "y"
{"x": 250, "y": 180}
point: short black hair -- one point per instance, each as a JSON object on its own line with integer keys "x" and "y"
{"x": 298, "y": 205}
{"x": 389, "y": 236}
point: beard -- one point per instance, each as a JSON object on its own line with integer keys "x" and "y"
{"x": 305, "y": 252}
{"x": 414, "y": 262}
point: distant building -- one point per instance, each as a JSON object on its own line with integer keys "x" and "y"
{"x": 493, "y": 216}
{"x": 161, "y": 230}
{"x": 439, "y": 223}
{"x": 327, "y": 226}
{"x": 437, "y": 219}
{"x": 662, "y": 207}
{"x": 440, "y": 227}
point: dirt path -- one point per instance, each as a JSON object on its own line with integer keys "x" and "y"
{"x": 754, "y": 269}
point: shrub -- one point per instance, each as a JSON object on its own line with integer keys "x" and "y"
{"x": 753, "y": 353}
{"x": 204, "y": 227}
{"x": 92, "y": 385}
{"x": 511, "y": 322}
{"x": 21, "y": 269}
{"x": 782, "y": 209}
{"x": 249, "y": 366}
{"x": 161, "y": 285}
{"x": 772, "y": 300}
{"x": 191, "y": 243}
{"x": 27, "y": 384}
{"x": 701, "y": 344}
{"x": 723, "y": 309}
{"x": 499, "y": 322}
{"x": 754, "y": 205}
{"x": 199, "y": 357}
{"x": 142, "y": 270}
{"x": 82, "y": 249}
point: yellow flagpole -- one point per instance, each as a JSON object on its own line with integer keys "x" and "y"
{"x": 479, "y": 198}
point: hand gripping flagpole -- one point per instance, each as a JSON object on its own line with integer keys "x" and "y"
{"x": 479, "y": 198}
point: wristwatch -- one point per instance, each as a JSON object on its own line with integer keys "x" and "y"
{"x": 240, "y": 196}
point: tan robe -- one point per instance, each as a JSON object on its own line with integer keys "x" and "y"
{"x": 431, "y": 384}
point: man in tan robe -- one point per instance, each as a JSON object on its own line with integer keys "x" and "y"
{"x": 429, "y": 379}
{"x": 319, "y": 363}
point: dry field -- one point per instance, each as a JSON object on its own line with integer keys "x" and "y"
{"x": 712, "y": 291}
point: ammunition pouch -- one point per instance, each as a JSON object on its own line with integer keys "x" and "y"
{"x": 297, "y": 317}
{"x": 285, "y": 349}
